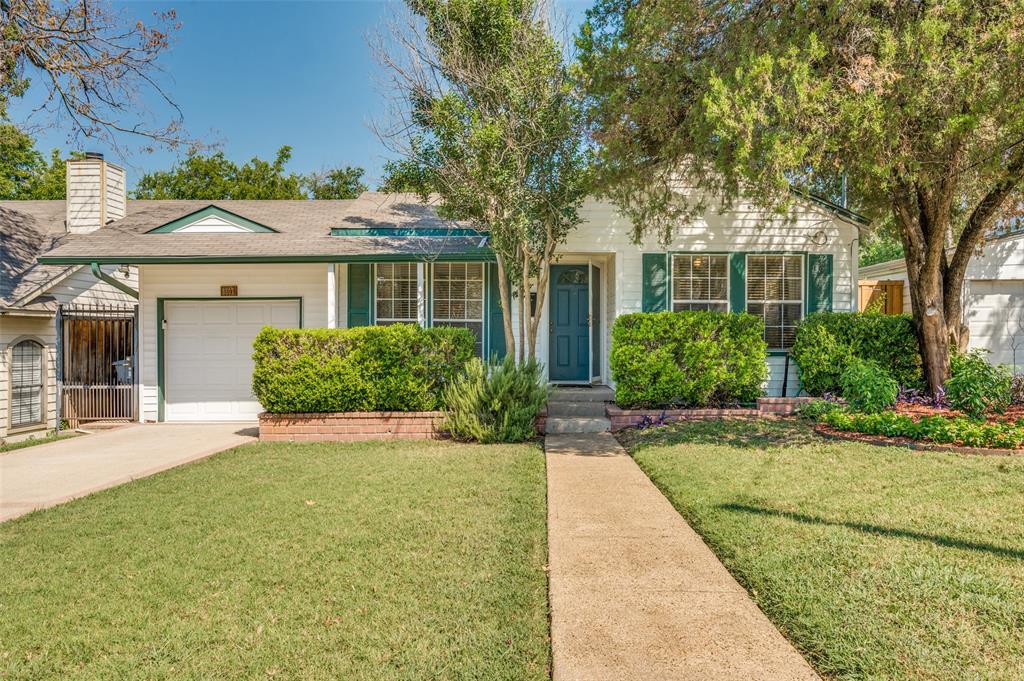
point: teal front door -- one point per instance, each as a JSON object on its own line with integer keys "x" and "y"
{"x": 569, "y": 328}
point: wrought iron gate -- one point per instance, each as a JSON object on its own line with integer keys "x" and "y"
{"x": 97, "y": 365}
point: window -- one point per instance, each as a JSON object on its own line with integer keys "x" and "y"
{"x": 700, "y": 282}
{"x": 775, "y": 292}
{"x": 27, "y": 397}
{"x": 459, "y": 298}
{"x": 397, "y": 293}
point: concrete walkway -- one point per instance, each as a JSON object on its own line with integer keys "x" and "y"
{"x": 50, "y": 474}
{"x": 635, "y": 592}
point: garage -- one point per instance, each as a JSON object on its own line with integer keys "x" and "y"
{"x": 994, "y": 313}
{"x": 208, "y": 355}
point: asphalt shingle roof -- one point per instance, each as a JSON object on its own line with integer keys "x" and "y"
{"x": 27, "y": 230}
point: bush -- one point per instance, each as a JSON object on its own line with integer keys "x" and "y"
{"x": 976, "y": 387}
{"x": 867, "y": 387}
{"x": 938, "y": 429}
{"x": 371, "y": 368}
{"x": 495, "y": 403}
{"x": 827, "y": 341}
{"x": 816, "y": 409}
{"x": 688, "y": 359}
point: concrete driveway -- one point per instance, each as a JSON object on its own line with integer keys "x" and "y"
{"x": 50, "y": 474}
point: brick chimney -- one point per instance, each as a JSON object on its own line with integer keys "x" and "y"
{"x": 96, "y": 193}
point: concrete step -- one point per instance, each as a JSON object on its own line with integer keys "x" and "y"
{"x": 574, "y": 424}
{"x": 600, "y": 393}
{"x": 594, "y": 409}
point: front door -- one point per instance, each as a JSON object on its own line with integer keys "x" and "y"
{"x": 569, "y": 355}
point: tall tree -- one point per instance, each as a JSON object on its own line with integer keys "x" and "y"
{"x": 97, "y": 66}
{"x": 343, "y": 182}
{"x": 24, "y": 172}
{"x": 487, "y": 121}
{"x": 920, "y": 104}
{"x": 214, "y": 176}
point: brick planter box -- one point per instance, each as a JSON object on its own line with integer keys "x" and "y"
{"x": 782, "y": 406}
{"x": 351, "y": 426}
{"x": 627, "y": 418}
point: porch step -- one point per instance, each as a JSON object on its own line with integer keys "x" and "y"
{"x": 592, "y": 409}
{"x": 577, "y": 424}
{"x": 599, "y": 393}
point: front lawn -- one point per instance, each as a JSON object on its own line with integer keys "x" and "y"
{"x": 876, "y": 562}
{"x": 368, "y": 561}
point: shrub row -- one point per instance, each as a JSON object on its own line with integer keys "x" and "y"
{"x": 938, "y": 429}
{"x": 374, "y": 368}
{"x": 826, "y": 343}
{"x": 687, "y": 359}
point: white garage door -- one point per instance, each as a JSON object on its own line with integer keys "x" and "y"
{"x": 994, "y": 312}
{"x": 208, "y": 356}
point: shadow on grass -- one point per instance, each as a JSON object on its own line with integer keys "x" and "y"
{"x": 742, "y": 434}
{"x": 938, "y": 540}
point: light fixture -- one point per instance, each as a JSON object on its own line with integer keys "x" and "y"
{"x": 819, "y": 238}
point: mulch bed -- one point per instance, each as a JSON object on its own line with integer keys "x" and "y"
{"x": 916, "y": 411}
{"x": 920, "y": 445}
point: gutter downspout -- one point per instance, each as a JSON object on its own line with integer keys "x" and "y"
{"x": 104, "y": 277}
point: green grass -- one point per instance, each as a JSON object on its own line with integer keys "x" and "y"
{"x": 878, "y": 563}
{"x": 50, "y": 436}
{"x": 289, "y": 561}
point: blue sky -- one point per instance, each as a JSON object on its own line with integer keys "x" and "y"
{"x": 256, "y": 75}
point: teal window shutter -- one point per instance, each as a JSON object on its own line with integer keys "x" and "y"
{"x": 655, "y": 276}
{"x": 819, "y": 282}
{"x": 359, "y": 295}
{"x": 495, "y": 322}
{"x": 737, "y": 282}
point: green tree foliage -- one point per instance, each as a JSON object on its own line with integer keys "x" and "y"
{"x": 879, "y": 248}
{"x": 344, "y": 182}
{"x": 490, "y": 123}
{"x": 919, "y": 104}
{"x": 24, "y": 172}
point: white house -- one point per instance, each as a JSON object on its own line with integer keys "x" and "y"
{"x": 993, "y": 295}
{"x": 211, "y": 274}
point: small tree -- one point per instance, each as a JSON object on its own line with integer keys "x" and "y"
{"x": 487, "y": 120}
{"x": 919, "y": 104}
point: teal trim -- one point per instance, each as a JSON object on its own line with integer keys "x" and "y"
{"x": 428, "y": 293}
{"x": 473, "y": 256}
{"x": 494, "y": 322}
{"x": 819, "y": 282}
{"x": 655, "y": 282}
{"x": 778, "y": 353}
{"x": 233, "y": 218}
{"x": 360, "y": 295}
{"x": 405, "y": 231}
{"x": 161, "y": 407}
{"x": 834, "y": 207}
{"x": 119, "y": 285}
{"x": 738, "y": 282}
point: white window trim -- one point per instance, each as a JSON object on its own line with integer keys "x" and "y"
{"x": 419, "y": 319}
{"x": 483, "y": 296}
{"x": 803, "y": 286}
{"x": 44, "y": 391}
{"x": 672, "y": 280}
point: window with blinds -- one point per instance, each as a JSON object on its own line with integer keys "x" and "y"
{"x": 26, "y": 384}
{"x": 458, "y": 298}
{"x": 700, "y": 282}
{"x": 775, "y": 292}
{"x": 397, "y": 290}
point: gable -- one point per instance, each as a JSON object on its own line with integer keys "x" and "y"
{"x": 212, "y": 220}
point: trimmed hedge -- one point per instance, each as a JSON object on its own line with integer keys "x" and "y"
{"x": 827, "y": 341}
{"x": 687, "y": 359}
{"x": 371, "y": 368}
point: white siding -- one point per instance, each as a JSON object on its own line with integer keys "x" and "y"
{"x": 307, "y": 281}
{"x": 82, "y": 288}
{"x": 12, "y": 330}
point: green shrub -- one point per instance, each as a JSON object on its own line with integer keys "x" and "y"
{"x": 371, "y": 368}
{"x": 976, "y": 387}
{"x": 689, "y": 359}
{"x": 867, "y": 387}
{"x": 938, "y": 429}
{"x": 827, "y": 341}
{"x": 495, "y": 403}
{"x": 816, "y": 409}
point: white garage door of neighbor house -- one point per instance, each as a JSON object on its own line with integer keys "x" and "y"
{"x": 208, "y": 356}
{"x": 994, "y": 313}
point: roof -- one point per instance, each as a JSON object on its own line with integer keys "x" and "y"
{"x": 27, "y": 230}
{"x": 1002, "y": 232}
{"x": 301, "y": 232}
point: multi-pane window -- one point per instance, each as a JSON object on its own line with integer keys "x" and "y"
{"x": 700, "y": 282}
{"x": 458, "y": 294}
{"x": 26, "y": 384}
{"x": 397, "y": 293}
{"x": 775, "y": 292}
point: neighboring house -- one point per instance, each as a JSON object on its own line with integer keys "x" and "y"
{"x": 30, "y": 292}
{"x": 212, "y": 274}
{"x": 993, "y": 295}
